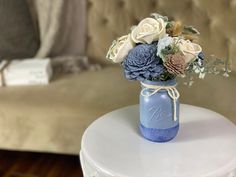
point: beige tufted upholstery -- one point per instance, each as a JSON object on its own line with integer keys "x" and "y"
{"x": 28, "y": 121}
{"x": 108, "y": 19}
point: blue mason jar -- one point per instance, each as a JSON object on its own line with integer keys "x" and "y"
{"x": 159, "y": 112}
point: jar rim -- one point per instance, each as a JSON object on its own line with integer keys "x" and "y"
{"x": 170, "y": 82}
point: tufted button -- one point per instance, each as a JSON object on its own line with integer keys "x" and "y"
{"x": 88, "y": 38}
{"x": 208, "y": 21}
{"x": 136, "y": 21}
{"x": 228, "y": 41}
{"x": 89, "y": 4}
{"x": 104, "y": 21}
{"x": 191, "y": 4}
{"x": 120, "y": 3}
{"x": 153, "y": 3}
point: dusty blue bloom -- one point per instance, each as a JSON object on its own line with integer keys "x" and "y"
{"x": 200, "y": 59}
{"x": 201, "y": 56}
{"x": 142, "y": 63}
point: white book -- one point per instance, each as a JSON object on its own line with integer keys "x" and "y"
{"x": 28, "y": 66}
{"x": 27, "y": 82}
{"x": 28, "y": 72}
{"x": 34, "y": 78}
{"x": 25, "y": 76}
{"x": 3, "y": 63}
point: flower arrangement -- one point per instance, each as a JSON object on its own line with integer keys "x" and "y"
{"x": 159, "y": 49}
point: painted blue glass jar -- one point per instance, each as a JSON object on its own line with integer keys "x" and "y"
{"x": 159, "y": 110}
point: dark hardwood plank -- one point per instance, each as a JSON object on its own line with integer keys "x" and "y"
{"x": 28, "y": 164}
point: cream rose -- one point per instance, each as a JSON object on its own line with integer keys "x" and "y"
{"x": 120, "y": 49}
{"x": 189, "y": 49}
{"x": 149, "y": 30}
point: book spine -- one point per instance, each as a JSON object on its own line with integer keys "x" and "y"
{"x": 3, "y": 65}
{"x": 27, "y": 82}
{"x": 28, "y": 76}
{"x": 25, "y": 73}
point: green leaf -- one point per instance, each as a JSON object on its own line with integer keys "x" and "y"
{"x": 169, "y": 25}
{"x": 171, "y": 49}
{"x": 190, "y": 30}
{"x": 156, "y": 16}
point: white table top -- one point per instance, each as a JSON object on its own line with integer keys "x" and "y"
{"x": 204, "y": 147}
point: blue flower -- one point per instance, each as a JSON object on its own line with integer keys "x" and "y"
{"x": 201, "y": 56}
{"x": 200, "y": 59}
{"x": 143, "y": 63}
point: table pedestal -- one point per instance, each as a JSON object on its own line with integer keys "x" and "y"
{"x": 205, "y": 147}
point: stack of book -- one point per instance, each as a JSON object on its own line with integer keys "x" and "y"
{"x": 27, "y": 72}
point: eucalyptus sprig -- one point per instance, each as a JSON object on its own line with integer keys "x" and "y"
{"x": 190, "y": 30}
{"x": 171, "y": 49}
{"x": 157, "y": 16}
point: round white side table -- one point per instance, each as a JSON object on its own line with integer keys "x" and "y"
{"x": 205, "y": 147}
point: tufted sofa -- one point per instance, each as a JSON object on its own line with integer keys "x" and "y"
{"x": 53, "y": 118}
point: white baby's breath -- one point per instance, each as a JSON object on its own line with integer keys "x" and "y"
{"x": 162, "y": 44}
{"x": 201, "y": 75}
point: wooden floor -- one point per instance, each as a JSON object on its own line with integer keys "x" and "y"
{"x": 22, "y": 164}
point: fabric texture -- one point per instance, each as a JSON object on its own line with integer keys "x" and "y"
{"x": 108, "y": 20}
{"x": 18, "y": 38}
{"x": 53, "y": 118}
{"x": 61, "y": 26}
{"x": 62, "y": 65}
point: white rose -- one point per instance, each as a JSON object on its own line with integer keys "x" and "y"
{"x": 120, "y": 49}
{"x": 189, "y": 49}
{"x": 149, "y": 30}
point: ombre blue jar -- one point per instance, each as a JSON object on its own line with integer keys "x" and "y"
{"x": 159, "y": 112}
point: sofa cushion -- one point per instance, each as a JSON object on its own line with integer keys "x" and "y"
{"x": 214, "y": 92}
{"x": 53, "y": 118}
{"x": 18, "y": 38}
